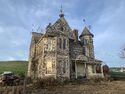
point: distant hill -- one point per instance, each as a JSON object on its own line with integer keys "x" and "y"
{"x": 18, "y": 67}
{"x": 117, "y": 69}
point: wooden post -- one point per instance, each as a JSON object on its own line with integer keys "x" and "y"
{"x": 13, "y": 90}
{"x": 76, "y": 69}
{"x": 95, "y": 68}
{"x": 24, "y": 86}
{"x": 102, "y": 71}
{"x": 85, "y": 70}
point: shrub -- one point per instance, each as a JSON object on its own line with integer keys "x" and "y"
{"x": 42, "y": 82}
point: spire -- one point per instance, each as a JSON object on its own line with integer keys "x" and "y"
{"x": 61, "y": 12}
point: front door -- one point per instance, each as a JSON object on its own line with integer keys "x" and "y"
{"x": 80, "y": 70}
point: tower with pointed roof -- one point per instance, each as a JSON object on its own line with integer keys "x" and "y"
{"x": 86, "y": 38}
{"x": 59, "y": 53}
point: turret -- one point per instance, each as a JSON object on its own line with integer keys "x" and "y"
{"x": 86, "y": 38}
{"x": 86, "y": 34}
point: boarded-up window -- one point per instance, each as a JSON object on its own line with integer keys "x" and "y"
{"x": 49, "y": 67}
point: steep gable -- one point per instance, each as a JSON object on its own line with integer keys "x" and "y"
{"x": 86, "y": 32}
{"x": 60, "y": 27}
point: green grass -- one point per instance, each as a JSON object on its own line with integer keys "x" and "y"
{"x": 117, "y": 75}
{"x": 18, "y": 67}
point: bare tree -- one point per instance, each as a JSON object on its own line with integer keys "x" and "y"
{"x": 122, "y": 54}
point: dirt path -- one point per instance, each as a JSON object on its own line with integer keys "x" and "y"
{"x": 115, "y": 87}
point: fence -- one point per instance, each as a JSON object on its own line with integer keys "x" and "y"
{"x": 21, "y": 89}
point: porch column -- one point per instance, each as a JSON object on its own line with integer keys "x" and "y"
{"x": 85, "y": 70}
{"x": 76, "y": 69}
{"x": 95, "y": 68}
{"x": 102, "y": 71}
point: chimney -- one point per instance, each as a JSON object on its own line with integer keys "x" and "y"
{"x": 75, "y": 35}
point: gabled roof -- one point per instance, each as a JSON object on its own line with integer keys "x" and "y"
{"x": 61, "y": 27}
{"x": 35, "y": 38}
{"x": 61, "y": 22}
{"x": 86, "y": 32}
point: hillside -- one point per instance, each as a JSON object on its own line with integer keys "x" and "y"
{"x": 18, "y": 67}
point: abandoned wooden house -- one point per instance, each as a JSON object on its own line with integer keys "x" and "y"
{"x": 62, "y": 53}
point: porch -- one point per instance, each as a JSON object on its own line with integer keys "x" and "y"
{"x": 81, "y": 68}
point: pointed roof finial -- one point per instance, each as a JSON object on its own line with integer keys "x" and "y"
{"x": 61, "y": 12}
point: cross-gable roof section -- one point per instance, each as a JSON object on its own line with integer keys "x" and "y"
{"x": 36, "y": 36}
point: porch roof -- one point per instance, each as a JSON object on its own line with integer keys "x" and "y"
{"x": 97, "y": 61}
{"x": 81, "y": 57}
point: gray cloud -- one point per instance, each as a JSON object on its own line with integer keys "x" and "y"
{"x": 110, "y": 33}
{"x": 106, "y": 17}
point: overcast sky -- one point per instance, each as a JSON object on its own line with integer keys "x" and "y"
{"x": 107, "y": 18}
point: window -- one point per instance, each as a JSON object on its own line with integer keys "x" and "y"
{"x": 98, "y": 68}
{"x": 60, "y": 43}
{"x": 84, "y": 51}
{"x": 64, "y": 43}
{"x": 73, "y": 66}
{"x": 85, "y": 42}
{"x": 64, "y": 67}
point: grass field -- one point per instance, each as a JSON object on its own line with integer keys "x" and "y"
{"x": 118, "y": 75}
{"x": 18, "y": 67}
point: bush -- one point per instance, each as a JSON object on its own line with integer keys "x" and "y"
{"x": 21, "y": 74}
{"x": 42, "y": 82}
{"x": 50, "y": 81}
{"x": 96, "y": 80}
